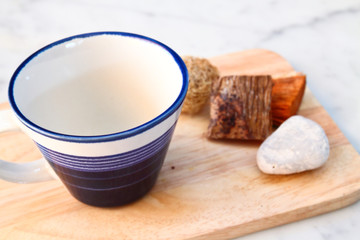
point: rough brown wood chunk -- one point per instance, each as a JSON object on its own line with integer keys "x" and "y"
{"x": 287, "y": 95}
{"x": 241, "y": 108}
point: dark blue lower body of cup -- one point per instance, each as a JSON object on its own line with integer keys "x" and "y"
{"x": 112, "y": 180}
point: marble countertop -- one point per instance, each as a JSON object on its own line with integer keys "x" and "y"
{"x": 319, "y": 38}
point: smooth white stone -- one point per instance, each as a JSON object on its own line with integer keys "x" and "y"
{"x": 299, "y": 144}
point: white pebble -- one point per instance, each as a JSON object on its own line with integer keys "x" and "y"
{"x": 299, "y": 144}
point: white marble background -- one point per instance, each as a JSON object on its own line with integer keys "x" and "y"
{"x": 320, "y": 38}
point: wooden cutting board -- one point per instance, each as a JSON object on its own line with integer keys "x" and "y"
{"x": 206, "y": 189}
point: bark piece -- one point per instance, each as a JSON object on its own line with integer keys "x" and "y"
{"x": 287, "y": 94}
{"x": 241, "y": 108}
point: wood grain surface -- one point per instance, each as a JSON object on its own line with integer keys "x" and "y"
{"x": 206, "y": 189}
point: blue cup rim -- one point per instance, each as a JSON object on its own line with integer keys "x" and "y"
{"x": 107, "y": 137}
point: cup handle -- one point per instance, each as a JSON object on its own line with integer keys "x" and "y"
{"x": 29, "y": 172}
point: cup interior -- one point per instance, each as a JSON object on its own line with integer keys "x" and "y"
{"x": 97, "y": 84}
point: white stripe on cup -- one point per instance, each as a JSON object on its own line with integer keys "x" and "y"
{"x": 104, "y": 148}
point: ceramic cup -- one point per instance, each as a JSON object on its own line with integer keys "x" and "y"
{"x": 102, "y": 108}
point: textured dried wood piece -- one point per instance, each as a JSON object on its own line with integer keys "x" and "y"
{"x": 287, "y": 94}
{"x": 240, "y": 107}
